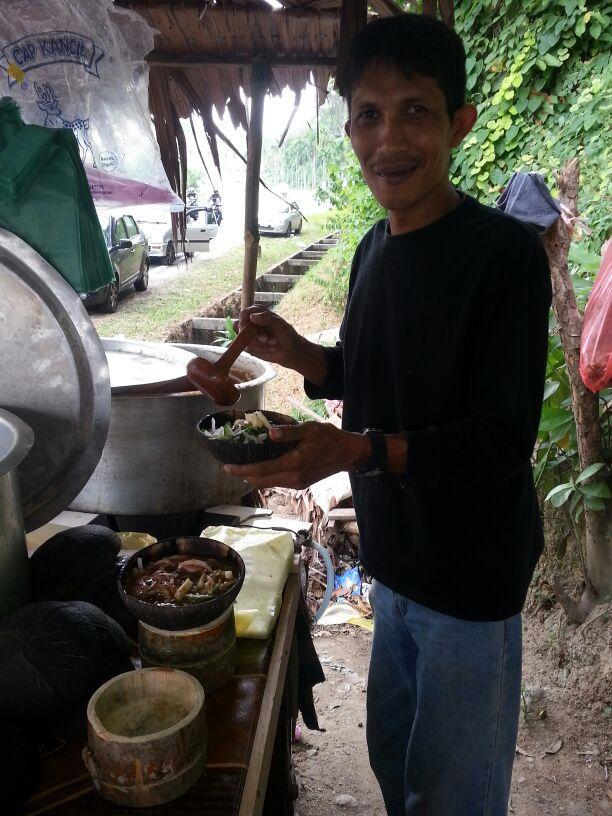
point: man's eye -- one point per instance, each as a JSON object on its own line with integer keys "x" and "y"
{"x": 367, "y": 113}
{"x": 416, "y": 110}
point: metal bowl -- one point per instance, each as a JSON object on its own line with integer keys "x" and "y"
{"x": 178, "y": 617}
{"x": 243, "y": 453}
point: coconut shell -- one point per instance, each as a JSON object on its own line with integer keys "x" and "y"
{"x": 63, "y": 568}
{"x": 53, "y": 656}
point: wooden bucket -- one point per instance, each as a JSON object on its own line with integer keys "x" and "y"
{"x": 146, "y": 736}
{"x": 207, "y": 652}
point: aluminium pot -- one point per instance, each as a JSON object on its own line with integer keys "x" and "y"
{"x": 154, "y": 462}
{"x": 16, "y": 439}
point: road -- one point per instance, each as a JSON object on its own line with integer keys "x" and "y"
{"x": 230, "y": 235}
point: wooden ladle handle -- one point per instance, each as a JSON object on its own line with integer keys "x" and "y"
{"x": 235, "y": 348}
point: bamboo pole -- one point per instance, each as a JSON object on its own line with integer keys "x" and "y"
{"x": 260, "y": 79}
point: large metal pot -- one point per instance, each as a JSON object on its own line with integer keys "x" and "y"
{"x": 16, "y": 439}
{"x": 153, "y": 462}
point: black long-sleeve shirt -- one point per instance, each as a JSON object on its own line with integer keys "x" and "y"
{"x": 444, "y": 339}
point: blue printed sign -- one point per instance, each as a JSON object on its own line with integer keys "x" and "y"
{"x": 51, "y": 47}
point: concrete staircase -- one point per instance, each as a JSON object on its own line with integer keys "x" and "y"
{"x": 269, "y": 288}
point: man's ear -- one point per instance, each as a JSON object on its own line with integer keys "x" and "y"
{"x": 347, "y": 128}
{"x": 464, "y": 120}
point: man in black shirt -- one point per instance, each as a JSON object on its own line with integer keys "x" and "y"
{"x": 441, "y": 365}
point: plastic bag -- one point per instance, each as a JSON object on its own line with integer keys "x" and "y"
{"x": 80, "y": 66}
{"x": 268, "y": 560}
{"x": 596, "y": 338}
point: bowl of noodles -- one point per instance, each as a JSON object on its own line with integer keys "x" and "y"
{"x": 181, "y": 583}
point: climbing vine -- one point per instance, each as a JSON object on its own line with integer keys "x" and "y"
{"x": 539, "y": 74}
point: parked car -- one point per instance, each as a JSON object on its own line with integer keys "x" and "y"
{"x": 201, "y": 228}
{"x": 278, "y": 217}
{"x": 127, "y": 247}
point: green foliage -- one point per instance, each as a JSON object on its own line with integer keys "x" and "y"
{"x": 581, "y": 493}
{"x": 355, "y": 208}
{"x": 194, "y": 178}
{"x": 302, "y": 160}
{"x": 224, "y": 338}
{"x": 331, "y": 273}
{"x": 557, "y": 468}
{"x": 540, "y": 77}
{"x": 316, "y": 406}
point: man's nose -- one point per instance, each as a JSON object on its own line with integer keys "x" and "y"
{"x": 392, "y": 131}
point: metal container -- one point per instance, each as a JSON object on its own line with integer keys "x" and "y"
{"x": 153, "y": 462}
{"x": 16, "y": 439}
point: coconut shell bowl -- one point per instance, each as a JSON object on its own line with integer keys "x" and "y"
{"x": 190, "y": 611}
{"x": 235, "y": 451}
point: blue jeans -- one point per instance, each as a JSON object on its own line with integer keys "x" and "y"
{"x": 442, "y": 709}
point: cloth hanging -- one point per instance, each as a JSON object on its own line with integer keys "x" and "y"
{"x": 527, "y": 198}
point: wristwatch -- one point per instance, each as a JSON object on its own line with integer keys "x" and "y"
{"x": 377, "y": 462}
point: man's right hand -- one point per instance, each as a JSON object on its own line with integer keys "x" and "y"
{"x": 278, "y": 342}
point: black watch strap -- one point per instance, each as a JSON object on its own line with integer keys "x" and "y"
{"x": 377, "y": 463}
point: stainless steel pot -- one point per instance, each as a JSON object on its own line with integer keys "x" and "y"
{"x": 153, "y": 462}
{"x": 16, "y": 439}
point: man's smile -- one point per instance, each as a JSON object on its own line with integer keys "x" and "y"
{"x": 395, "y": 173}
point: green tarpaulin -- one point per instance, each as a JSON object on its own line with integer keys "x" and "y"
{"x": 46, "y": 201}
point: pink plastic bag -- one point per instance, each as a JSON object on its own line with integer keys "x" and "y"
{"x": 596, "y": 338}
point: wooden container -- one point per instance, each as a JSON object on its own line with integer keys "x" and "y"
{"x": 207, "y": 652}
{"x": 146, "y": 736}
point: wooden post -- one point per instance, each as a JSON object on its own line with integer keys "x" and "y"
{"x": 260, "y": 75}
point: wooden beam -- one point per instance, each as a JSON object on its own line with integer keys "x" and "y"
{"x": 254, "y": 792}
{"x": 194, "y": 60}
{"x": 260, "y": 81}
{"x": 353, "y": 17}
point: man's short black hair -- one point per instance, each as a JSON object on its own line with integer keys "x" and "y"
{"x": 416, "y": 44}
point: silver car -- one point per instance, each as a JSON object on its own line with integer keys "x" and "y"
{"x": 278, "y": 217}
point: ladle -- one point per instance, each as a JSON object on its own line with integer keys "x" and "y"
{"x": 212, "y": 378}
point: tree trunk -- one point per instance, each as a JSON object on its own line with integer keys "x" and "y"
{"x": 585, "y": 404}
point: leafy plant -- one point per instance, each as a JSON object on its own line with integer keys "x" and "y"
{"x": 540, "y": 77}
{"x": 225, "y": 336}
{"x": 581, "y": 492}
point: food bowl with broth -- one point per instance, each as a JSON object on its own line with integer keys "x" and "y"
{"x": 181, "y": 583}
{"x": 238, "y": 437}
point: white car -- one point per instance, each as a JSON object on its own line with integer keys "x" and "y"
{"x": 278, "y": 217}
{"x": 201, "y": 228}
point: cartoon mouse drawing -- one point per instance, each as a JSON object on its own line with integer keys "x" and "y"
{"x": 49, "y": 104}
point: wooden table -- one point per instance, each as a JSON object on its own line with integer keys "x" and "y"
{"x": 248, "y": 720}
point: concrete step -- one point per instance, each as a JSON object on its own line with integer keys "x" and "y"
{"x": 275, "y": 283}
{"x": 268, "y": 298}
{"x": 310, "y": 255}
{"x": 204, "y": 329}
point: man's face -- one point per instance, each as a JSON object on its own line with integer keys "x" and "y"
{"x": 402, "y": 134}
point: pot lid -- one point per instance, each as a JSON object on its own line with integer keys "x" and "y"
{"x": 16, "y": 439}
{"x": 54, "y": 377}
{"x": 138, "y": 367}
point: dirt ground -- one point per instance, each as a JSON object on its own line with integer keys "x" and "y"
{"x": 563, "y": 763}
{"x": 564, "y": 752}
